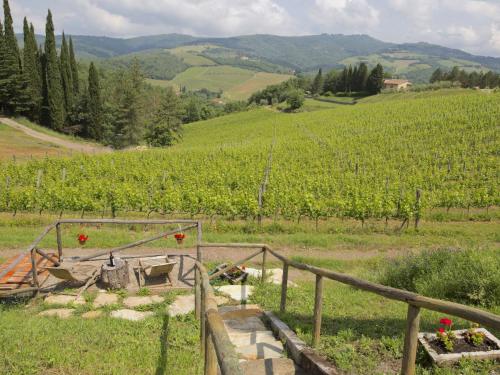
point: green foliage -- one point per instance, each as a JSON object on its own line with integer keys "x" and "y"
{"x": 318, "y": 83}
{"x": 32, "y": 71}
{"x": 74, "y": 68}
{"x": 94, "y": 111}
{"x": 55, "y": 93}
{"x": 375, "y": 81}
{"x": 295, "y": 99}
{"x": 66, "y": 75}
{"x": 467, "y": 79}
{"x": 468, "y": 276}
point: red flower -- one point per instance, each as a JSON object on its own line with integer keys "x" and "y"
{"x": 446, "y": 322}
{"x": 82, "y": 238}
{"x": 441, "y": 330}
{"x": 179, "y": 236}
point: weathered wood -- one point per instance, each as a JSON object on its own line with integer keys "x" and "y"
{"x": 210, "y": 356}
{"x": 92, "y": 280}
{"x": 197, "y": 279}
{"x": 263, "y": 271}
{"x": 411, "y": 340}
{"x": 235, "y": 245}
{"x": 34, "y": 271}
{"x": 203, "y": 320}
{"x": 134, "y": 244}
{"x": 48, "y": 257}
{"x": 284, "y": 287}
{"x": 120, "y": 221}
{"x": 115, "y": 277}
{"x": 59, "y": 241}
{"x": 446, "y": 307}
{"x": 318, "y": 307}
{"x": 235, "y": 264}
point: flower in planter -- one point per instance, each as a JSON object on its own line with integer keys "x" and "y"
{"x": 82, "y": 239}
{"x": 473, "y": 337}
{"x": 446, "y": 322}
{"x": 179, "y": 237}
{"x": 445, "y": 335}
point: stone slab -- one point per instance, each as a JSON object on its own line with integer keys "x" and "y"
{"x": 132, "y": 302}
{"x": 221, "y": 300}
{"x": 261, "y": 350}
{"x": 105, "y": 299}
{"x": 250, "y": 338}
{"x": 244, "y": 325}
{"x": 237, "y": 292}
{"x": 59, "y": 299}
{"x": 182, "y": 305}
{"x": 59, "y": 313}
{"x": 279, "y": 366}
{"x": 225, "y": 309}
{"x": 131, "y": 314}
{"x": 92, "y": 314}
{"x": 80, "y": 301}
{"x": 273, "y": 275}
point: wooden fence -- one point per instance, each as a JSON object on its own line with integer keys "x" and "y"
{"x": 415, "y": 302}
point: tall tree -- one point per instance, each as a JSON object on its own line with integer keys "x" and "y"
{"x": 10, "y": 77}
{"x": 55, "y": 93}
{"x": 375, "y": 81}
{"x": 74, "y": 68}
{"x": 66, "y": 75}
{"x": 2, "y": 68}
{"x": 31, "y": 72}
{"x": 317, "y": 85}
{"x": 94, "y": 106}
{"x": 437, "y": 76}
{"x": 362, "y": 76}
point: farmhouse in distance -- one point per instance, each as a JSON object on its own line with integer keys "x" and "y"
{"x": 397, "y": 84}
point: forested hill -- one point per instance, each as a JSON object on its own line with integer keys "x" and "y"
{"x": 302, "y": 53}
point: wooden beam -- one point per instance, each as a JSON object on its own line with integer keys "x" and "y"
{"x": 59, "y": 241}
{"x": 318, "y": 310}
{"x": 284, "y": 287}
{"x": 411, "y": 340}
{"x": 263, "y": 270}
{"x": 234, "y": 245}
{"x": 120, "y": 221}
{"x": 46, "y": 256}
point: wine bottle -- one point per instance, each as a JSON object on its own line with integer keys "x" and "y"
{"x": 111, "y": 260}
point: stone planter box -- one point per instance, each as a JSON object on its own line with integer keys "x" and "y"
{"x": 448, "y": 358}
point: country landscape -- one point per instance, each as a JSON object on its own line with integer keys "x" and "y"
{"x": 246, "y": 203}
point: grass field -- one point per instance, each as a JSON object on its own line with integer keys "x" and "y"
{"x": 236, "y": 83}
{"x": 16, "y": 143}
{"x": 190, "y": 55}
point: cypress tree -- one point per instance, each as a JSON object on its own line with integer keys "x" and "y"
{"x": 10, "y": 79}
{"x": 74, "y": 68}
{"x": 66, "y": 75}
{"x": 94, "y": 105}
{"x": 2, "y": 68}
{"x": 55, "y": 94}
{"x": 362, "y": 76}
{"x": 31, "y": 72}
{"x": 318, "y": 83}
{"x": 375, "y": 80}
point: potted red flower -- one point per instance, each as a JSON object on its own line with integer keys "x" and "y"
{"x": 179, "y": 237}
{"x": 82, "y": 239}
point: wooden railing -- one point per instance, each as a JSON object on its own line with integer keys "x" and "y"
{"x": 415, "y": 302}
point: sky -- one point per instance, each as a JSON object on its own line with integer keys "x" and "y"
{"x": 470, "y": 25}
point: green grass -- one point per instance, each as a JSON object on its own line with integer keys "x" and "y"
{"x": 159, "y": 345}
{"x": 190, "y": 55}
{"x": 361, "y": 333}
{"x": 236, "y": 83}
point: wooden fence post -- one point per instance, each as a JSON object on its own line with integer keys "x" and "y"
{"x": 34, "y": 271}
{"x": 284, "y": 286}
{"x": 411, "y": 340}
{"x": 318, "y": 304}
{"x": 264, "y": 259}
{"x": 203, "y": 319}
{"x": 210, "y": 355}
{"x": 59, "y": 241}
{"x": 197, "y": 277}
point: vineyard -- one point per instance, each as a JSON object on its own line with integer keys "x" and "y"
{"x": 386, "y": 160}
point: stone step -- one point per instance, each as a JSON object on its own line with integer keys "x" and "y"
{"x": 249, "y": 338}
{"x": 261, "y": 350}
{"x": 249, "y": 324}
{"x": 225, "y": 309}
{"x": 275, "y": 366}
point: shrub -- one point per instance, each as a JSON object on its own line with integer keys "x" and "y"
{"x": 468, "y": 276}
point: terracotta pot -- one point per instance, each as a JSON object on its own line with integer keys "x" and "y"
{"x": 180, "y": 240}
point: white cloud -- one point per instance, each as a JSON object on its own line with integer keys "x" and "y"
{"x": 348, "y": 14}
{"x": 495, "y": 38}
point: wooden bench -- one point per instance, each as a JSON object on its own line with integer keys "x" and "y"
{"x": 155, "y": 267}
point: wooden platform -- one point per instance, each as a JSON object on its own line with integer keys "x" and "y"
{"x": 20, "y": 276}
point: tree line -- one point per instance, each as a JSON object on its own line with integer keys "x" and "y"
{"x": 350, "y": 80}
{"x": 482, "y": 80}
{"x": 113, "y": 106}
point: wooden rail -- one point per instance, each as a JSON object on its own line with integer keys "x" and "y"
{"x": 216, "y": 346}
{"x": 415, "y": 301}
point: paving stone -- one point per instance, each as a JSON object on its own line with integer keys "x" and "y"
{"x": 59, "y": 299}
{"x": 182, "y": 305}
{"x": 131, "y": 314}
{"x": 273, "y": 275}
{"x": 221, "y": 300}
{"x": 92, "y": 314}
{"x": 279, "y": 366}
{"x": 80, "y": 301}
{"x": 261, "y": 350}
{"x": 59, "y": 313}
{"x": 249, "y": 338}
{"x": 237, "y": 292}
{"x": 132, "y": 302}
{"x": 249, "y": 324}
{"x": 225, "y": 309}
{"x": 105, "y": 299}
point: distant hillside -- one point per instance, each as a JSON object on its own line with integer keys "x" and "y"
{"x": 270, "y": 53}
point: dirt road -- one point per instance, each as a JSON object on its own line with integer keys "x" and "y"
{"x": 76, "y": 146}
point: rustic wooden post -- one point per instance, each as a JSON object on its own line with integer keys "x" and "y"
{"x": 264, "y": 259}
{"x": 318, "y": 304}
{"x": 210, "y": 355}
{"x": 411, "y": 340}
{"x": 203, "y": 319}
{"x": 284, "y": 286}
{"x": 34, "y": 272}
{"x": 59, "y": 241}
{"x": 197, "y": 276}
